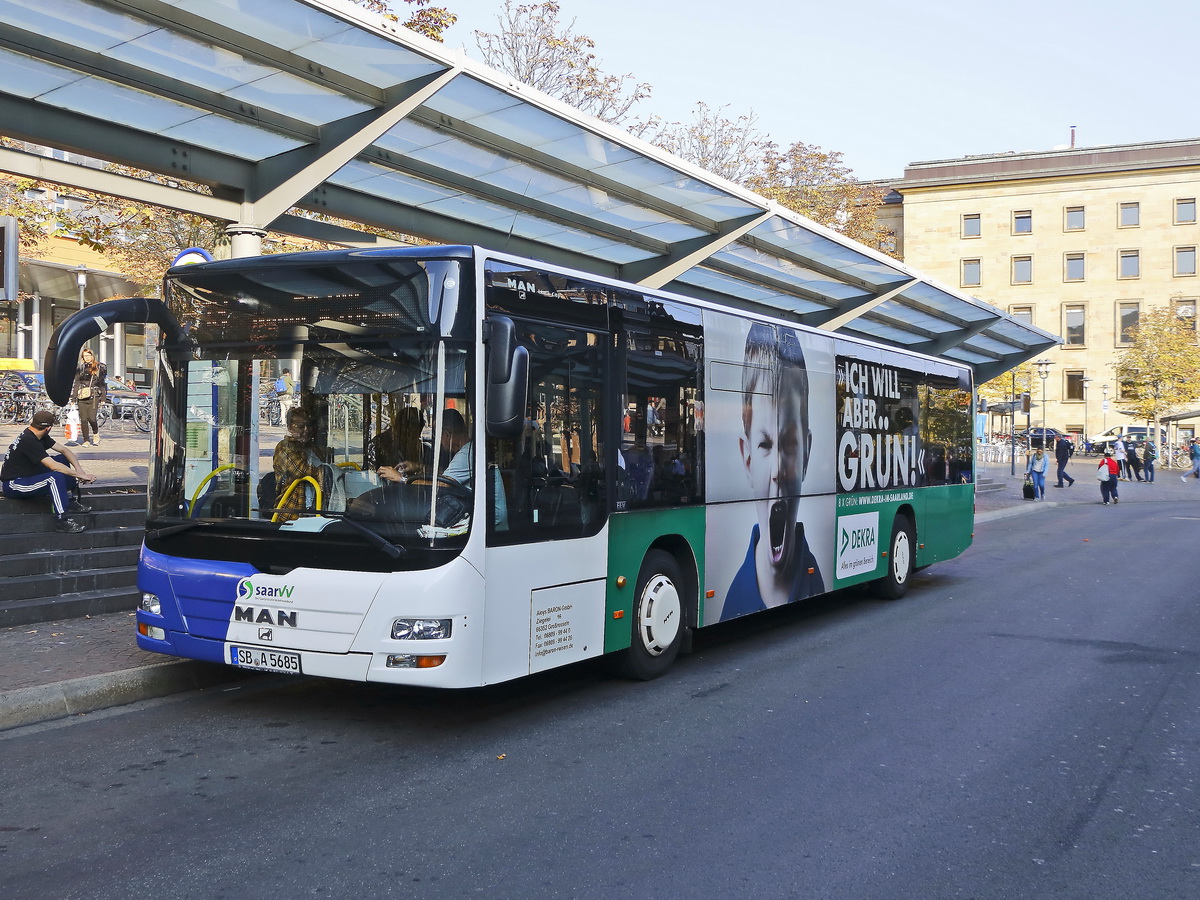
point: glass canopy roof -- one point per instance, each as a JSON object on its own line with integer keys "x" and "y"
{"x": 286, "y": 108}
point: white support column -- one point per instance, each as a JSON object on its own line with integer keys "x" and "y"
{"x": 245, "y": 240}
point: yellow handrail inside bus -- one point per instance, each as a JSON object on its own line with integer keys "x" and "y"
{"x": 291, "y": 487}
{"x": 350, "y": 465}
{"x": 207, "y": 478}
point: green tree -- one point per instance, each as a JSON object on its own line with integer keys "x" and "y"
{"x": 534, "y": 47}
{"x": 1160, "y": 372}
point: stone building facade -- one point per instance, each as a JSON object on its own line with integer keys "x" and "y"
{"x": 1078, "y": 242}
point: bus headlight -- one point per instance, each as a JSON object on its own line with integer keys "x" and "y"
{"x": 151, "y": 604}
{"x": 420, "y": 629}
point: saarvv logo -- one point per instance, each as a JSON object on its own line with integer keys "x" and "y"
{"x": 248, "y": 590}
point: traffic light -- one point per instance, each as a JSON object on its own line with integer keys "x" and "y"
{"x": 9, "y": 258}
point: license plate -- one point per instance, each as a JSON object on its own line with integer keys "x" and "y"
{"x": 265, "y": 660}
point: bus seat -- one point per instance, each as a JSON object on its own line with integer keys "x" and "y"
{"x": 266, "y": 495}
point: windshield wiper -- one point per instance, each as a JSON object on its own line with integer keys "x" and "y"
{"x": 171, "y": 529}
{"x": 395, "y": 551}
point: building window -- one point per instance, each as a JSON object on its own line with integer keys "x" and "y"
{"x": 1073, "y": 324}
{"x": 970, "y": 273}
{"x": 1129, "y": 264}
{"x": 1126, "y": 389}
{"x": 971, "y": 225}
{"x": 1128, "y": 314}
{"x": 1073, "y": 389}
{"x": 1022, "y": 270}
{"x": 1073, "y": 220}
{"x": 1129, "y": 216}
{"x": 1022, "y": 314}
{"x": 1023, "y": 221}
{"x": 1185, "y": 211}
{"x": 1185, "y": 308}
{"x": 1185, "y": 260}
{"x": 1073, "y": 267}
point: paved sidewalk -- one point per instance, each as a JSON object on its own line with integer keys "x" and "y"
{"x": 57, "y": 669}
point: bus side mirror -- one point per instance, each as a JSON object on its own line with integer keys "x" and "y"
{"x": 507, "y": 379}
{"x": 62, "y": 353}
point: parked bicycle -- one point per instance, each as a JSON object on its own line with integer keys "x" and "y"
{"x": 136, "y": 411}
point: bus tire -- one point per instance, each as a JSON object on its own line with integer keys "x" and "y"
{"x": 658, "y": 619}
{"x": 900, "y": 561}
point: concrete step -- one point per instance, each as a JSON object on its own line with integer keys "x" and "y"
{"x": 46, "y": 562}
{"x": 74, "y": 605}
{"x": 42, "y": 538}
{"x": 41, "y": 521}
{"x": 55, "y": 584}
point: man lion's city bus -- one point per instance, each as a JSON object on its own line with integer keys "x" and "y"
{"x": 487, "y": 467}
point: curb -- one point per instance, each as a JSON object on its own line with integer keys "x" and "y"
{"x": 43, "y": 703}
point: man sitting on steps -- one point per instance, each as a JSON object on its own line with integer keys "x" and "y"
{"x": 30, "y": 471}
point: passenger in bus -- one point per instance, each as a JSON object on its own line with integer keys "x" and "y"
{"x": 296, "y": 457}
{"x": 779, "y": 567}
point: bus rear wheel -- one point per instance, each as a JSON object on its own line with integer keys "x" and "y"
{"x": 901, "y": 557}
{"x": 657, "y": 627}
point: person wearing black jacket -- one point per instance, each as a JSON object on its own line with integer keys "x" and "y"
{"x": 30, "y": 471}
{"x": 1134, "y": 460}
{"x": 1062, "y": 455}
{"x": 89, "y": 392}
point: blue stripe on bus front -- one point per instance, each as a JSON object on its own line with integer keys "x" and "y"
{"x": 197, "y": 595}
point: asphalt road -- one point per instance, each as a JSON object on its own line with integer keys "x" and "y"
{"x": 1026, "y": 723}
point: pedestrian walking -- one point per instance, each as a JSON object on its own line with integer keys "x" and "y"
{"x": 1036, "y": 467}
{"x": 1062, "y": 455}
{"x": 89, "y": 391}
{"x": 1149, "y": 455}
{"x": 1134, "y": 462}
{"x": 1118, "y": 452}
{"x": 1106, "y": 474}
{"x": 1194, "y": 455}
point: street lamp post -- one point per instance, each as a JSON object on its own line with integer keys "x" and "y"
{"x": 1104, "y": 407}
{"x": 1086, "y": 382}
{"x": 81, "y": 281}
{"x": 1043, "y": 370}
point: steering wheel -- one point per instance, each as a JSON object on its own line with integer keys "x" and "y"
{"x": 442, "y": 480}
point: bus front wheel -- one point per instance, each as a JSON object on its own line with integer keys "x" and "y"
{"x": 657, "y": 627}
{"x": 901, "y": 556}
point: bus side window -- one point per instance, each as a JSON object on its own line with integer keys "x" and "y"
{"x": 659, "y": 450}
{"x": 551, "y": 477}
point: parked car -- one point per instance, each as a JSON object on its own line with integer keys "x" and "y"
{"x": 1137, "y": 434}
{"x": 125, "y": 399}
{"x": 1037, "y": 437}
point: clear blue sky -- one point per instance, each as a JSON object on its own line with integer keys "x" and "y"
{"x": 889, "y": 83}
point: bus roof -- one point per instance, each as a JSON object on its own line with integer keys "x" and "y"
{"x": 429, "y": 143}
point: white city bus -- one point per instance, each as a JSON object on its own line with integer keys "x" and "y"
{"x": 489, "y": 467}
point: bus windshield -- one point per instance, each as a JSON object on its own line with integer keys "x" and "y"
{"x": 326, "y": 400}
